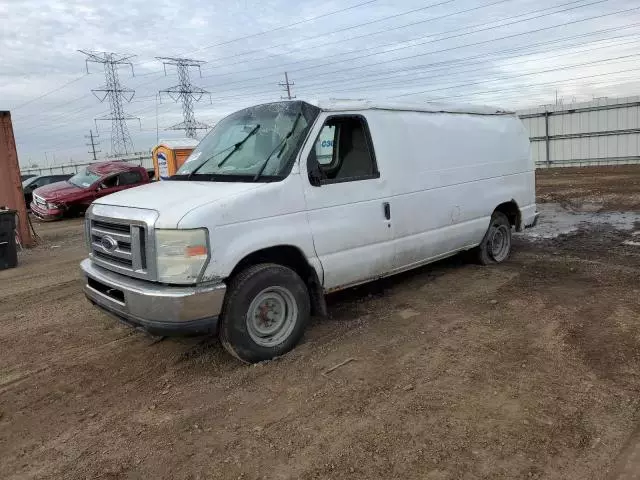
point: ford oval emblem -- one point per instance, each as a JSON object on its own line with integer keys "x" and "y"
{"x": 108, "y": 243}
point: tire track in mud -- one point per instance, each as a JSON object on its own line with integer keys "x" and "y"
{"x": 38, "y": 297}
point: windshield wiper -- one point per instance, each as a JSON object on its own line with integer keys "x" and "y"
{"x": 235, "y": 148}
{"x": 280, "y": 146}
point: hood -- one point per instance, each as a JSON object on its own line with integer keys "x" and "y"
{"x": 173, "y": 199}
{"x": 55, "y": 191}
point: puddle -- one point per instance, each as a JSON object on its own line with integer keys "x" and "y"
{"x": 555, "y": 220}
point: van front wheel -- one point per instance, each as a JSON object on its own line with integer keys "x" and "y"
{"x": 496, "y": 244}
{"x": 266, "y": 311}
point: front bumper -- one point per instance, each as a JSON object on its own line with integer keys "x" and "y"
{"x": 157, "y": 308}
{"x": 44, "y": 214}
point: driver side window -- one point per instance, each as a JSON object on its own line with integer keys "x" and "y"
{"x": 110, "y": 182}
{"x": 343, "y": 152}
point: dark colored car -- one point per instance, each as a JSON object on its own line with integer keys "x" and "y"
{"x": 30, "y": 184}
{"x": 73, "y": 196}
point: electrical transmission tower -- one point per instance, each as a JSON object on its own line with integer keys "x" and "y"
{"x": 287, "y": 87}
{"x": 186, "y": 93}
{"x": 121, "y": 142}
{"x": 92, "y": 143}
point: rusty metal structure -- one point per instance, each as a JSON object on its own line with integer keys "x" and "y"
{"x": 11, "y": 195}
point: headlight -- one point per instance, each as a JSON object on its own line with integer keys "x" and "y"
{"x": 181, "y": 254}
{"x": 53, "y": 206}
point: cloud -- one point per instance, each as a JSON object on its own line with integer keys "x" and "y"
{"x": 483, "y": 51}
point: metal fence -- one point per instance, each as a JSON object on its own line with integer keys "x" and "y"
{"x": 601, "y": 132}
{"x": 143, "y": 159}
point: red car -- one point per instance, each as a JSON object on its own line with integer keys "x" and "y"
{"x": 73, "y": 196}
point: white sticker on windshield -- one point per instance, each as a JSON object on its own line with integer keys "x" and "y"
{"x": 193, "y": 157}
{"x": 86, "y": 184}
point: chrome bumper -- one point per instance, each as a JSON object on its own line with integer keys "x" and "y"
{"x": 157, "y": 308}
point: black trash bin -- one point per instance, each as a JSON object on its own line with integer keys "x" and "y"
{"x": 8, "y": 247}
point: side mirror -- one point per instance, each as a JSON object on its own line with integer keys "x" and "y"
{"x": 316, "y": 175}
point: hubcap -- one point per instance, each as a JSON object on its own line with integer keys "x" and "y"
{"x": 500, "y": 243}
{"x": 272, "y": 316}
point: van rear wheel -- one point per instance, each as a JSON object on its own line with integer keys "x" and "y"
{"x": 496, "y": 244}
{"x": 265, "y": 313}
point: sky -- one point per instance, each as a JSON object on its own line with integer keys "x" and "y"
{"x": 510, "y": 53}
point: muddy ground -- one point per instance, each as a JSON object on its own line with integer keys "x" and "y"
{"x": 530, "y": 369}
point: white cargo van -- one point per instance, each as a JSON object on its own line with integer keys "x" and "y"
{"x": 284, "y": 202}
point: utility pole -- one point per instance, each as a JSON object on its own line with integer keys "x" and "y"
{"x": 121, "y": 142}
{"x": 287, "y": 87}
{"x": 92, "y": 144}
{"x": 186, "y": 93}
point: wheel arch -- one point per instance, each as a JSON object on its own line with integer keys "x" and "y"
{"x": 512, "y": 211}
{"x": 292, "y": 257}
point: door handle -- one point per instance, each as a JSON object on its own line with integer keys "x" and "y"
{"x": 387, "y": 210}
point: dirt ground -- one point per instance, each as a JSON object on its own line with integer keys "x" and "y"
{"x": 591, "y": 189}
{"x": 530, "y": 369}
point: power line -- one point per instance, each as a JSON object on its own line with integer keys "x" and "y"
{"x": 457, "y": 47}
{"x": 185, "y": 92}
{"x": 485, "y": 28}
{"x": 520, "y": 87}
{"x": 50, "y": 92}
{"x": 510, "y": 77}
{"x": 450, "y": 73}
{"x": 333, "y": 32}
{"x": 525, "y": 74}
{"x": 284, "y": 27}
{"x": 121, "y": 142}
{"x": 359, "y": 68}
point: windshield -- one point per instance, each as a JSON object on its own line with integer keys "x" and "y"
{"x": 252, "y": 144}
{"x": 84, "y": 179}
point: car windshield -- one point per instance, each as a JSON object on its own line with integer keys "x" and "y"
{"x": 252, "y": 144}
{"x": 84, "y": 179}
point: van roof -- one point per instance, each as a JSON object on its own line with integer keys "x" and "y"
{"x": 407, "y": 106}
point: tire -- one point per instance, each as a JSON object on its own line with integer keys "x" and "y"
{"x": 489, "y": 252}
{"x": 265, "y": 312}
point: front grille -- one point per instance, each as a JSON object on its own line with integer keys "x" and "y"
{"x": 39, "y": 201}
{"x": 119, "y": 246}
{"x": 114, "y": 227}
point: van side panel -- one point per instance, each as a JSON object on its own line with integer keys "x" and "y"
{"x": 449, "y": 172}
{"x": 273, "y": 215}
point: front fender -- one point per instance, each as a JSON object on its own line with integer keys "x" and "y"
{"x": 231, "y": 243}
